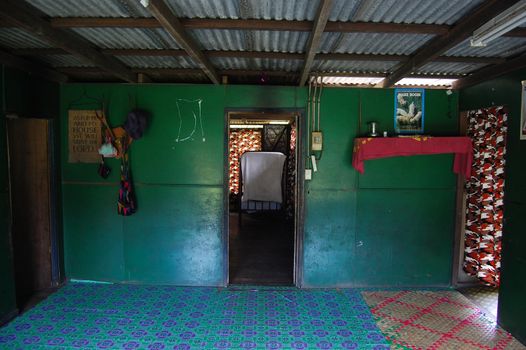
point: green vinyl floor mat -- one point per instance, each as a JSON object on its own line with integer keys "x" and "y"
{"x": 122, "y": 316}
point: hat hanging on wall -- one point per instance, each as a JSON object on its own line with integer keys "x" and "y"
{"x": 136, "y": 122}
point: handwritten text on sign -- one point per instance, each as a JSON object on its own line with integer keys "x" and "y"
{"x": 84, "y": 136}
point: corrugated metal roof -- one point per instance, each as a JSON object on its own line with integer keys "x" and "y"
{"x": 128, "y": 38}
{"x": 397, "y": 11}
{"x": 292, "y": 10}
{"x": 268, "y": 80}
{"x": 259, "y": 9}
{"x": 64, "y": 61}
{"x": 220, "y": 39}
{"x": 158, "y": 61}
{"x": 449, "y": 68}
{"x": 180, "y": 78}
{"x": 205, "y": 8}
{"x": 15, "y": 38}
{"x": 91, "y": 8}
{"x": 402, "y": 11}
{"x": 352, "y": 81}
{"x": 257, "y": 40}
{"x": 353, "y": 66}
{"x": 280, "y": 41}
{"x": 388, "y": 11}
{"x": 373, "y": 43}
{"x": 501, "y": 47}
{"x": 257, "y": 64}
{"x": 425, "y": 82}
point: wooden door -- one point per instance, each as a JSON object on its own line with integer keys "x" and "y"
{"x": 29, "y": 165}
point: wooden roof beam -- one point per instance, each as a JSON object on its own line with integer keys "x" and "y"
{"x": 172, "y": 25}
{"x": 251, "y": 24}
{"x": 457, "y": 34}
{"x": 262, "y": 54}
{"x": 401, "y": 58}
{"x": 31, "y": 22}
{"x": 180, "y": 71}
{"x": 492, "y": 72}
{"x": 322, "y": 16}
{"x": 240, "y": 72}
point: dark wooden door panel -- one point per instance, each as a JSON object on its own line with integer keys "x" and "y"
{"x": 30, "y": 203}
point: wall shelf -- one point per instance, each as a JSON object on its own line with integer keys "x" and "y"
{"x": 384, "y": 147}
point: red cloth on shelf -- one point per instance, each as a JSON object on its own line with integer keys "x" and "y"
{"x": 383, "y": 147}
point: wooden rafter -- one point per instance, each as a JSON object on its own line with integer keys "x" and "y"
{"x": 40, "y": 51}
{"x": 251, "y": 24}
{"x": 371, "y": 27}
{"x": 262, "y": 54}
{"x": 492, "y": 72}
{"x": 243, "y": 72}
{"x": 401, "y": 58}
{"x": 98, "y": 22}
{"x": 172, "y": 25}
{"x": 180, "y": 71}
{"x": 322, "y": 17}
{"x": 517, "y": 33}
{"x": 30, "y": 67}
{"x": 20, "y": 14}
{"x": 457, "y": 34}
{"x": 382, "y": 75}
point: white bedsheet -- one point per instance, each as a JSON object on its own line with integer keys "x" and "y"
{"x": 262, "y": 173}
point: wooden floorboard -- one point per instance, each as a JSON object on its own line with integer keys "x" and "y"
{"x": 261, "y": 250}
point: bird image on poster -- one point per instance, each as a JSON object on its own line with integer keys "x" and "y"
{"x": 409, "y": 111}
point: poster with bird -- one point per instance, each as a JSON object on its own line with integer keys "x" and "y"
{"x": 409, "y": 111}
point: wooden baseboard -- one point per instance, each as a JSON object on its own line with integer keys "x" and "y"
{"x": 8, "y": 317}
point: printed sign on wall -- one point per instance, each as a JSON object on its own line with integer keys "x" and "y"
{"x": 84, "y": 136}
{"x": 409, "y": 111}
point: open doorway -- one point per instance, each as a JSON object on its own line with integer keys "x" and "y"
{"x": 480, "y": 200}
{"x": 263, "y": 158}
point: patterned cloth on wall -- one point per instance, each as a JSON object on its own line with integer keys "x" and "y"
{"x": 485, "y": 191}
{"x": 291, "y": 173}
{"x": 239, "y": 142}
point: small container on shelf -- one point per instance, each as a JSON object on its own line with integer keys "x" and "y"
{"x": 372, "y": 129}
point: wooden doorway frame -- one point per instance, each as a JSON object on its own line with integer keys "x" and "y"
{"x": 299, "y": 215}
{"x": 458, "y": 277}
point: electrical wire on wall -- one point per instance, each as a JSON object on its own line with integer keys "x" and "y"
{"x": 313, "y": 120}
{"x": 308, "y": 165}
{"x": 316, "y": 120}
{"x": 319, "y": 103}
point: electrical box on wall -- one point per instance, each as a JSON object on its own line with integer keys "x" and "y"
{"x": 317, "y": 141}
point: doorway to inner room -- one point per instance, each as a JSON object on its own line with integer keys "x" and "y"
{"x": 262, "y": 161}
{"x": 480, "y": 203}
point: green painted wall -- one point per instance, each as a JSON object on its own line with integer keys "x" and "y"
{"x": 394, "y": 224}
{"x": 391, "y": 226}
{"x": 507, "y": 91}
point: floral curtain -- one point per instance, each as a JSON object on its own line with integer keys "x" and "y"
{"x": 291, "y": 173}
{"x": 239, "y": 142}
{"x": 485, "y": 191}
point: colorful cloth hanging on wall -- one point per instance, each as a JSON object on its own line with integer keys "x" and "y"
{"x": 291, "y": 173}
{"x": 239, "y": 142}
{"x": 485, "y": 192}
{"x": 126, "y": 203}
